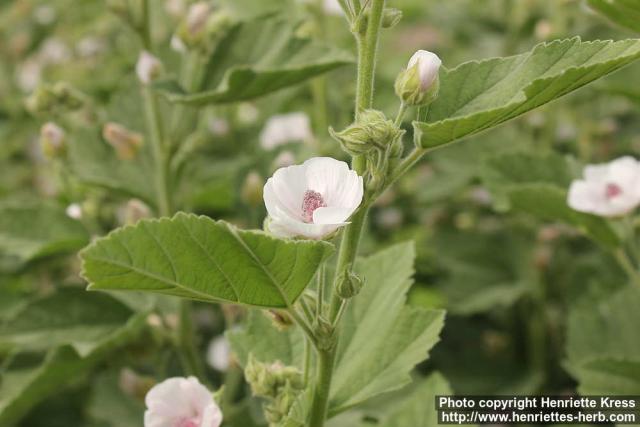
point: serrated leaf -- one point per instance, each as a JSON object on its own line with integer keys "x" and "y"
{"x": 625, "y": 13}
{"x": 70, "y": 316}
{"x": 256, "y": 58}
{"x": 550, "y": 202}
{"x": 198, "y": 258}
{"x": 273, "y": 345}
{"x": 603, "y": 344}
{"x": 31, "y": 230}
{"x": 476, "y": 96}
{"x": 382, "y": 338}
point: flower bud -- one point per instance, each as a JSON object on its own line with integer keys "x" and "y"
{"x": 420, "y": 82}
{"x": 52, "y": 140}
{"x": 148, "y": 67}
{"x": 279, "y": 318}
{"x": 372, "y": 130}
{"x": 325, "y": 333}
{"x": 268, "y": 380}
{"x": 60, "y": 97}
{"x": 390, "y": 17}
{"x": 134, "y": 211}
{"x": 349, "y": 285}
{"x": 251, "y": 192}
{"x": 126, "y": 142}
{"x": 197, "y": 17}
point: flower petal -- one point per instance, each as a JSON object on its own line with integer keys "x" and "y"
{"x": 331, "y": 215}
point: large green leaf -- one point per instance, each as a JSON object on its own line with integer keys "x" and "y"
{"x": 70, "y": 316}
{"x": 382, "y": 338}
{"x": 623, "y": 12}
{"x": 198, "y": 258}
{"x": 28, "y": 380}
{"x": 603, "y": 344}
{"x": 476, "y": 96}
{"x": 255, "y": 58}
{"x": 33, "y": 229}
{"x": 550, "y": 202}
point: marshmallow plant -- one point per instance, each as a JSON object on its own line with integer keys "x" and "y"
{"x": 337, "y": 330}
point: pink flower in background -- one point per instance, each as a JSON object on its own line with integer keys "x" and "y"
{"x": 610, "y": 189}
{"x": 181, "y": 402}
{"x": 313, "y": 199}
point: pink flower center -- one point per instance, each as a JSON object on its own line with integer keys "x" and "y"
{"x": 612, "y": 190}
{"x": 311, "y": 201}
{"x": 188, "y": 423}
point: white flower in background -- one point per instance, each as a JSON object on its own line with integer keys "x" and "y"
{"x": 428, "y": 67}
{"x": 175, "y": 7}
{"x": 148, "y": 67}
{"x": 90, "y": 46}
{"x": 74, "y": 211}
{"x": 313, "y": 199}
{"x": 610, "y": 189}
{"x": 44, "y": 15}
{"x": 54, "y": 51}
{"x": 332, "y": 7}
{"x": 29, "y": 74}
{"x": 197, "y": 17}
{"x": 218, "y": 126}
{"x": 285, "y": 128}
{"x": 219, "y": 354}
{"x": 181, "y": 402}
{"x": 247, "y": 113}
{"x": 284, "y": 159}
{"x": 177, "y": 44}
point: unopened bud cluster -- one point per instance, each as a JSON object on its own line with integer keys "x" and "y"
{"x": 277, "y": 383}
{"x": 349, "y": 285}
{"x": 57, "y": 98}
{"x": 202, "y": 27}
{"x": 371, "y": 131}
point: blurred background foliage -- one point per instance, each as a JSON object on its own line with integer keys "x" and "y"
{"x": 529, "y": 298}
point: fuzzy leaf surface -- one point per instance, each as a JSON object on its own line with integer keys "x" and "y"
{"x": 201, "y": 259}
{"x": 479, "y": 95}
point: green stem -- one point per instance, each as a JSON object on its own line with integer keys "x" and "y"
{"x": 319, "y": 409}
{"x": 400, "y": 116}
{"x": 367, "y": 50}
{"x": 626, "y": 264}
{"x": 146, "y": 26}
{"x": 160, "y": 153}
{"x": 186, "y": 343}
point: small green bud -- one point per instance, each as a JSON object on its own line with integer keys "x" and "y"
{"x": 268, "y": 380}
{"x": 391, "y": 17}
{"x": 203, "y": 27}
{"x": 372, "y": 130}
{"x": 52, "y": 140}
{"x": 420, "y": 82}
{"x": 57, "y": 97}
{"x": 325, "y": 333}
{"x": 127, "y": 143}
{"x": 349, "y": 285}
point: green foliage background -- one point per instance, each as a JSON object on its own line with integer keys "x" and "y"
{"x": 535, "y": 300}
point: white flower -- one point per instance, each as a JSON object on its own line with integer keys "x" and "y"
{"x": 610, "y": 189}
{"x": 181, "y": 402}
{"x": 428, "y": 67}
{"x": 285, "y": 128}
{"x": 313, "y": 199}
{"x": 74, "y": 211}
{"x": 219, "y": 353}
{"x": 177, "y": 44}
{"x": 148, "y": 67}
{"x": 332, "y": 7}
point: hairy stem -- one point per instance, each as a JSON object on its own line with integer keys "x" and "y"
{"x": 367, "y": 50}
{"x": 186, "y": 343}
{"x": 160, "y": 153}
